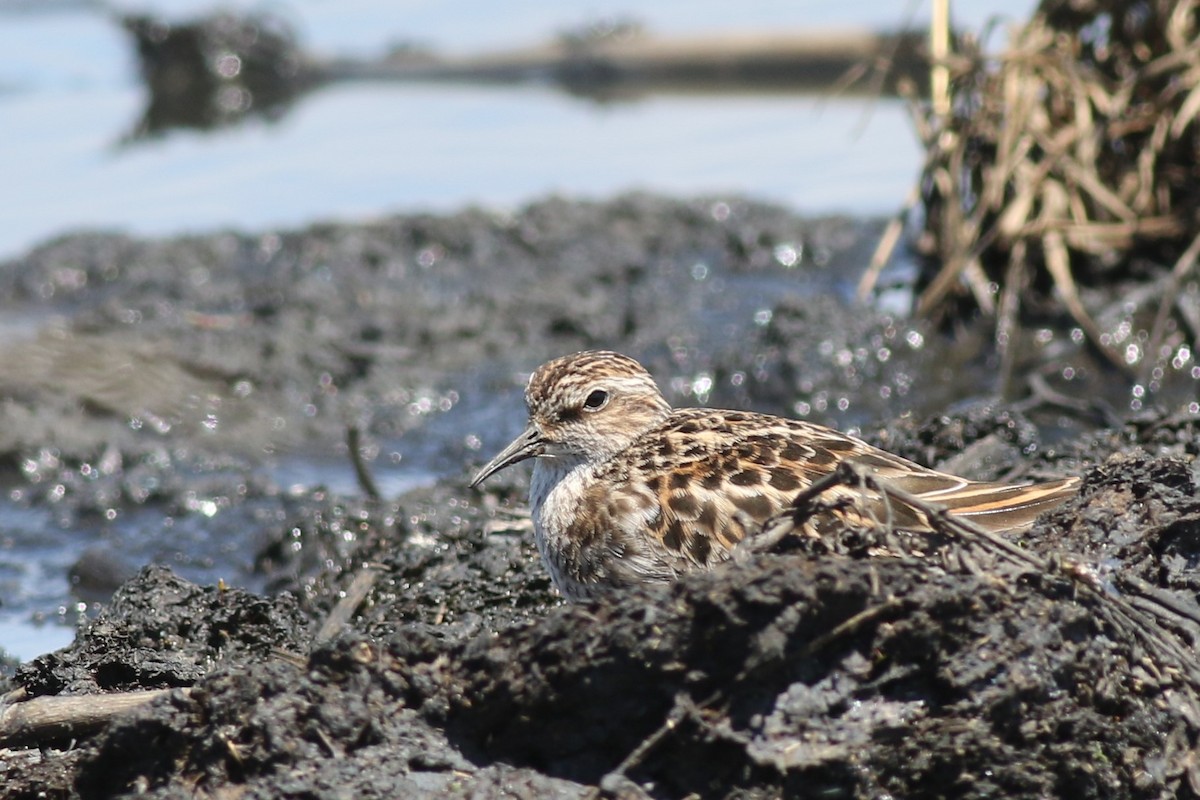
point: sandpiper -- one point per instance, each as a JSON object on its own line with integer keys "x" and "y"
{"x": 627, "y": 490}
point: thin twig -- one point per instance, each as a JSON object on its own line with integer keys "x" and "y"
{"x": 939, "y": 50}
{"x": 887, "y": 244}
{"x": 854, "y": 623}
{"x": 1183, "y": 266}
{"x": 340, "y": 616}
{"x": 43, "y": 720}
{"x": 1042, "y": 394}
{"x": 682, "y": 708}
{"x": 365, "y": 480}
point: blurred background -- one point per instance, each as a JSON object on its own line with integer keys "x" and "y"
{"x": 77, "y": 152}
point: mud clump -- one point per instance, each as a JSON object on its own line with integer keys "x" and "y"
{"x": 161, "y": 631}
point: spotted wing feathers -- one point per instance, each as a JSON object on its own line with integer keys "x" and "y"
{"x": 706, "y": 477}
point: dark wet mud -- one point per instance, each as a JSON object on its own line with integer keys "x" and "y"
{"x": 163, "y": 378}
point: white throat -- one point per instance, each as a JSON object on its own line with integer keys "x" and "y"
{"x": 548, "y": 472}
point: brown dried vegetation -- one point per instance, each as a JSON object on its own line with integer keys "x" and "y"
{"x": 1059, "y": 162}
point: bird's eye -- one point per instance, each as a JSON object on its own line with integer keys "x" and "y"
{"x": 596, "y": 400}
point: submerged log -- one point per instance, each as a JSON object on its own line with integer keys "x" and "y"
{"x": 741, "y": 61}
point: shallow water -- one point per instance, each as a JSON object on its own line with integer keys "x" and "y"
{"x": 69, "y": 95}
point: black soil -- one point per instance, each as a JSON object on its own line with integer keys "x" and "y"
{"x": 1062, "y": 667}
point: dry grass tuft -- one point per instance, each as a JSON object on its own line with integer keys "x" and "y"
{"x": 1060, "y": 160}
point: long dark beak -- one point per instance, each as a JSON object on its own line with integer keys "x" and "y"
{"x": 528, "y": 445}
